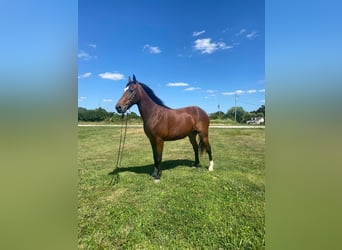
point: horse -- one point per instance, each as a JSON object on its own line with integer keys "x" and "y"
{"x": 162, "y": 123}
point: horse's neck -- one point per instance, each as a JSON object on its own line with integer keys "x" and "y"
{"x": 147, "y": 107}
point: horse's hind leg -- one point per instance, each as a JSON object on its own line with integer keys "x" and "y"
{"x": 205, "y": 145}
{"x": 192, "y": 138}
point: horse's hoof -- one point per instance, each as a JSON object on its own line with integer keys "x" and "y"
{"x": 156, "y": 180}
{"x": 154, "y": 174}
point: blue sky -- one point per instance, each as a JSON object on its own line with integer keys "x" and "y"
{"x": 189, "y": 52}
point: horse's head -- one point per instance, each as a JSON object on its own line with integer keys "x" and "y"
{"x": 129, "y": 96}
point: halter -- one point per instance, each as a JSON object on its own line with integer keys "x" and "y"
{"x": 133, "y": 94}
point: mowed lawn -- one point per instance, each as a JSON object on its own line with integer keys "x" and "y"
{"x": 191, "y": 208}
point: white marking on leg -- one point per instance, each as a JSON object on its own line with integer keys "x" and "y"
{"x": 211, "y": 166}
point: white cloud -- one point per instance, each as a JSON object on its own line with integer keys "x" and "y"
{"x": 197, "y": 33}
{"x": 207, "y": 47}
{"x": 112, "y": 76}
{"x": 242, "y": 31}
{"x": 236, "y": 92}
{"x": 228, "y": 93}
{"x": 107, "y": 100}
{"x": 210, "y": 96}
{"x": 152, "y": 49}
{"x": 82, "y": 98}
{"x": 177, "y": 84}
{"x": 92, "y": 45}
{"x": 251, "y": 35}
{"x": 248, "y": 34}
{"x": 226, "y": 30}
{"x": 241, "y": 92}
{"x": 83, "y": 55}
{"x": 211, "y": 93}
{"x": 191, "y": 89}
{"x": 85, "y": 75}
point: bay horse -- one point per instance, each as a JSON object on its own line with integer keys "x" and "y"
{"x": 162, "y": 123}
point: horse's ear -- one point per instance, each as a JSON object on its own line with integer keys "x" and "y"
{"x": 134, "y": 79}
{"x": 129, "y": 79}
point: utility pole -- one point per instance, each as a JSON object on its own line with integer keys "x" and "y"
{"x": 236, "y": 97}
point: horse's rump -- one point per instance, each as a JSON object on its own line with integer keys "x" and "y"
{"x": 200, "y": 117}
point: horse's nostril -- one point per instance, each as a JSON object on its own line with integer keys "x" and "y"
{"x": 118, "y": 108}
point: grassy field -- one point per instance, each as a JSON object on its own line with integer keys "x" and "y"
{"x": 191, "y": 208}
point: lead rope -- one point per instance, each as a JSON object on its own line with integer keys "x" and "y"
{"x": 122, "y": 140}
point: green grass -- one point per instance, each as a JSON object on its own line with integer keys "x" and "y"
{"x": 191, "y": 208}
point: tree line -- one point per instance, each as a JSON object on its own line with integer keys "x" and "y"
{"x": 100, "y": 114}
{"x": 242, "y": 116}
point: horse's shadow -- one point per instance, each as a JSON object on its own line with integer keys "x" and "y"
{"x": 148, "y": 169}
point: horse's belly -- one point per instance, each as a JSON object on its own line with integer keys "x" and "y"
{"x": 175, "y": 137}
{"x": 177, "y": 133}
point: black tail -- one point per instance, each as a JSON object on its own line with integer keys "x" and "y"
{"x": 202, "y": 147}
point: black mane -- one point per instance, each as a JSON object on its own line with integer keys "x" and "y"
{"x": 152, "y": 95}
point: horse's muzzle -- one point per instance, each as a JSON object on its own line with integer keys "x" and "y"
{"x": 121, "y": 109}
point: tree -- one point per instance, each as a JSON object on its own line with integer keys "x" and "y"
{"x": 246, "y": 117}
{"x": 101, "y": 114}
{"x": 239, "y": 114}
{"x": 82, "y": 114}
{"x": 133, "y": 115}
{"x": 217, "y": 115}
{"x": 96, "y": 115}
{"x": 260, "y": 111}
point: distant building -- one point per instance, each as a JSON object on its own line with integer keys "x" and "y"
{"x": 256, "y": 120}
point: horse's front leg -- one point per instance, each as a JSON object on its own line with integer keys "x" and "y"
{"x": 157, "y": 147}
